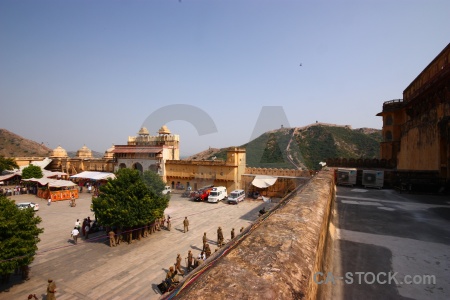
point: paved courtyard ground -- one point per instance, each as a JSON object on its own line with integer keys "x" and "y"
{"x": 402, "y": 239}
{"x": 93, "y": 270}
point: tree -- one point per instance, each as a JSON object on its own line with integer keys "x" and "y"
{"x": 153, "y": 181}
{"x": 19, "y": 236}
{"x": 32, "y": 172}
{"x": 7, "y": 164}
{"x": 127, "y": 202}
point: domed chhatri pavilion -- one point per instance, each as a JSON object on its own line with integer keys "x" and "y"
{"x": 59, "y": 152}
{"x": 163, "y": 130}
{"x": 84, "y": 152}
{"x": 109, "y": 153}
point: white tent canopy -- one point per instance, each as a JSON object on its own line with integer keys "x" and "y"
{"x": 51, "y": 182}
{"x": 52, "y": 174}
{"x": 8, "y": 176}
{"x": 264, "y": 181}
{"x": 94, "y": 175}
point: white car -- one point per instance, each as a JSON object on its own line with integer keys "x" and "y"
{"x": 23, "y": 205}
{"x": 167, "y": 190}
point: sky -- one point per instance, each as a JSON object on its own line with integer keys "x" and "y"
{"x": 218, "y": 72}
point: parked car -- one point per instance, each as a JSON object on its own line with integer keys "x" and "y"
{"x": 23, "y": 205}
{"x": 167, "y": 189}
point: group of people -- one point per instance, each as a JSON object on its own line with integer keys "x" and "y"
{"x": 117, "y": 235}
{"x": 10, "y": 191}
{"x": 192, "y": 262}
{"x": 84, "y": 228}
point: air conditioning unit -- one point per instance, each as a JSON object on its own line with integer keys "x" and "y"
{"x": 373, "y": 178}
{"x": 346, "y": 176}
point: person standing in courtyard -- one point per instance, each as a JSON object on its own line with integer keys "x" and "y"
{"x": 119, "y": 236}
{"x": 112, "y": 238}
{"x": 207, "y": 251}
{"x": 232, "y": 233}
{"x": 86, "y": 231}
{"x": 169, "y": 223}
{"x": 190, "y": 261}
{"x": 49, "y": 201}
{"x": 51, "y": 290}
{"x": 186, "y": 224}
{"x": 204, "y": 241}
{"x": 219, "y": 237}
{"x": 75, "y": 234}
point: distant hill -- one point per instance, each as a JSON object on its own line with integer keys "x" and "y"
{"x": 207, "y": 154}
{"x": 13, "y": 145}
{"x": 305, "y": 147}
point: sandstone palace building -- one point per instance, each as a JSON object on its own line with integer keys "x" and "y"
{"x": 161, "y": 154}
{"x": 416, "y": 128}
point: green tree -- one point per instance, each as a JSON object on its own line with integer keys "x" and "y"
{"x": 127, "y": 201}
{"x": 153, "y": 181}
{"x": 32, "y": 172}
{"x": 19, "y": 236}
{"x": 7, "y": 164}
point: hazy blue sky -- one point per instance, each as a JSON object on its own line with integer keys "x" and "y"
{"x": 92, "y": 72}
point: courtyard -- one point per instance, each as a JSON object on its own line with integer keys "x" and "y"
{"x": 93, "y": 270}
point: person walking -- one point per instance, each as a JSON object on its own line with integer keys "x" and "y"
{"x": 178, "y": 264}
{"x": 78, "y": 224}
{"x": 75, "y": 234}
{"x": 49, "y": 201}
{"x": 186, "y": 224}
{"x": 242, "y": 229}
{"x": 112, "y": 238}
{"x": 232, "y": 233}
{"x": 51, "y": 290}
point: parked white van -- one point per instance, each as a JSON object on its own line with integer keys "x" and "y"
{"x": 217, "y": 194}
{"x": 236, "y": 196}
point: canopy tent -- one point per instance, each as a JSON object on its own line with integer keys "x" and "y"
{"x": 51, "y": 182}
{"x": 49, "y": 174}
{"x": 264, "y": 181}
{"x": 94, "y": 175}
{"x": 9, "y": 176}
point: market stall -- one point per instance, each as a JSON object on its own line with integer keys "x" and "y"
{"x": 92, "y": 180}
{"x": 57, "y": 190}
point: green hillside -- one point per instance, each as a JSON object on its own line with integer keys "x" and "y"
{"x": 309, "y": 146}
{"x": 317, "y": 143}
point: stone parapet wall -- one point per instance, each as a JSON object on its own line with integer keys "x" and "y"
{"x": 276, "y": 257}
